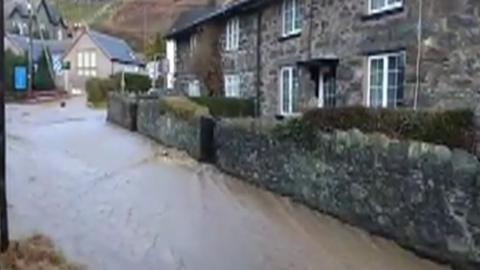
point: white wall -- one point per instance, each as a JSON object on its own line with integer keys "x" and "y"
{"x": 171, "y": 54}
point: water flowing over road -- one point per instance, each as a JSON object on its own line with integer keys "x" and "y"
{"x": 111, "y": 200}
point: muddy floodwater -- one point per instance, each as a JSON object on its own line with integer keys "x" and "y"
{"x": 112, "y": 200}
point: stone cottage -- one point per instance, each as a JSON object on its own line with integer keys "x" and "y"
{"x": 47, "y": 20}
{"x": 298, "y": 54}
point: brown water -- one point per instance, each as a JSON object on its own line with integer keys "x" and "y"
{"x": 111, "y": 201}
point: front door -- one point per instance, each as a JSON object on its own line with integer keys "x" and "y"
{"x": 327, "y": 97}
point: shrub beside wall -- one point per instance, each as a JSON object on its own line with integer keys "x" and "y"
{"x": 227, "y": 107}
{"x": 98, "y": 89}
{"x": 423, "y": 196}
{"x": 454, "y": 128}
{"x": 136, "y": 83}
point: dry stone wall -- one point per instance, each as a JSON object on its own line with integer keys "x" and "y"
{"x": 423, "y": 196}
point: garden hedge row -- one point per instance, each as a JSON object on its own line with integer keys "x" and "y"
{"x": 136, "y": 83}
{"x": 453, "y": 128}
{"x": 98, "y": 89}
{"x": 227, "y": 107}
{"x": 183, "y": 107}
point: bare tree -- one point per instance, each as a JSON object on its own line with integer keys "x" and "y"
{"x": 206, "y": 61}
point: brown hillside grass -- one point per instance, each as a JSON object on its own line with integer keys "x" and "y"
{"x": 35, "y": 253}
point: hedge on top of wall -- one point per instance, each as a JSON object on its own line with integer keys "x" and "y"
{"x": 137, "y": 83}
{"x": 227, "y": 107}
{"x": 453, "y": 128}
{"x": 182, "y": 107}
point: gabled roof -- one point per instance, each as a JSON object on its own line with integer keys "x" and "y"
{"x": 8, "y": 7}
{"x": 189, "y": 18}
{"x": 17, "y": 6}
{"x": 115, "y": 49}
{"x": 231, "y": 8}
{"x": 53, "y": 15}
{"x": 55, "y": 46}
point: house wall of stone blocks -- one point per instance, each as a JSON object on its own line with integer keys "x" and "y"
{"x": 444, "y": 66}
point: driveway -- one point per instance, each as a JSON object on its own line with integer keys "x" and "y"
{"x": 111, "y": 200}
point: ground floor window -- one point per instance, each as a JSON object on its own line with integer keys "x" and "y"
{"x": 194, "y": 88}
{"x": 386, "y": 80}
{"x": 87, "y": 63}
{"x": 232, "y": 86}
{"x": 289, "y": 90}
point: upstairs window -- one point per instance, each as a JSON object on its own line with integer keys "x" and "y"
{"x": 292, "y": 17}
{"x": 386, "y": 80}
{"x": 378, "y": 6}
{"x": 232, "y": 86}
{"x": 232, "y": 35}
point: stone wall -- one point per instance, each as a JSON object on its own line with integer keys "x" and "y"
{"x": 343, "y": 29}
{"x": 193, "y": 136}
{"x": 424, "y": 197}
{"x": 122, "y": 110}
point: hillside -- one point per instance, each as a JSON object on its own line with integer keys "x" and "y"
{"x": 140, "y": 19}
{"x": 134, "y": 20}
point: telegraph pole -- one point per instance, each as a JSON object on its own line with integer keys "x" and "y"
{"x": 30, "y": 50}
{"x": 4, "y": 240}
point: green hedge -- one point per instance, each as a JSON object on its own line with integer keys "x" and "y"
{"x": 137, "y": 83}
{"x": 183, "y": 107}
{"x": 454, "y": 128}
{"x": 98, "y": 89}
{"x": 227, "y": 107}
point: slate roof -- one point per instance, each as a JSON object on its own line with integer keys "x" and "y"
{"x": 225, "y": 10}
{"x": 20, "y": 6}
{"x": 8, "y": 7}
{"x": 116, "y": 49}
{"x": 55, "y": 46}
{"x": 53, "y": 14}
{"x": 16, "y": 6}
{"x": 189, "y": 18}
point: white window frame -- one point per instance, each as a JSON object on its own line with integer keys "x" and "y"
{"x": 385, "y": 58}
{"x": 387, "y": 6}
{"x": 193, "y": 43}
{"x": 290, "y": 30}
{"x": 87, "y": 63}
{"x": 194, "y": 88}
{"x": 290, "y": 70}
{"x": 232, "y": 34}
{"x": 232, "y": 85}
{"x": 93, "y": 59}
{"x": 80, "y": 59}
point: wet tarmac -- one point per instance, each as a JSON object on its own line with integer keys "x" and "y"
{"x": 111, "y": 200}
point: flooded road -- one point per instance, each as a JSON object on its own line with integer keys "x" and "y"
{"x": 112, "y": 201}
